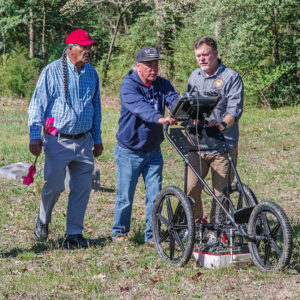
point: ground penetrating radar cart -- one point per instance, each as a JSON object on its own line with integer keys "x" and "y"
{"x": 242, "y": 224}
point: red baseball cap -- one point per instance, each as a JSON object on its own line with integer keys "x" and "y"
{"x": 80, "y": 37}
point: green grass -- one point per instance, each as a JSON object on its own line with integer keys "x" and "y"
{"x": 269, "y": 162}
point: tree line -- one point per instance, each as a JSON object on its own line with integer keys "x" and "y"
{"x": 258, "y": 38}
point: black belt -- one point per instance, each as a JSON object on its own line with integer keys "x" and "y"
{"x": 71, "y": 136}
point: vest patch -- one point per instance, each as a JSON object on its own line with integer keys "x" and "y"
{"x": 218, "y": 83}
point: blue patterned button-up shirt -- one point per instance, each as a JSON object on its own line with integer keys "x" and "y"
{"x": 48, "y": 101}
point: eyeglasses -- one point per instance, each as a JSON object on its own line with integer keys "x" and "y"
{"x": 85, "y": 47}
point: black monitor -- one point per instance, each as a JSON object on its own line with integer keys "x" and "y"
{"x": 193, "y": 105}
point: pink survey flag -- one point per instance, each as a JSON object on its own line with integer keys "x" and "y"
{"x": 27, "y": 180}
{"x": 49, "y": 128}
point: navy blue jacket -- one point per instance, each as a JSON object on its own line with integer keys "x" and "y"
{"x": 141, "y": 107}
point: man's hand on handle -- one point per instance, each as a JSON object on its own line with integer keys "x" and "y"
{"x": 228, "y": 120}
{"x": 213, "y": 123}
{"x": 164, "y": 120}
{"x": 35, "y": 147}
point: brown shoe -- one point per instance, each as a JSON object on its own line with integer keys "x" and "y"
{"x": 123, "y": 239}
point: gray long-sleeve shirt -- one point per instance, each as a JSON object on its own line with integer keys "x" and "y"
{"x": 229, "y": 85}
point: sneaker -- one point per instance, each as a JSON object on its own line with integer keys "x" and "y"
{"x": 123, "y": 239}
{"x": 212, "y": 238}
{"x": 40, "y": 232}
{"x": 75, "y": 241}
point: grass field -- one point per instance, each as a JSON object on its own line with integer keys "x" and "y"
{"x": 269, "y": 162}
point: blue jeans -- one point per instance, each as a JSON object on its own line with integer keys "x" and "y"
{"x": 130, "y": 165}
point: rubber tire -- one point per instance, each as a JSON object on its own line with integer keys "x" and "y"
{"x": 188, "y": 219}
{"x": 277, "y": 211}
{"x": 235, "y": 187}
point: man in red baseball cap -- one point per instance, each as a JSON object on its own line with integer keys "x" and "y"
{"x": 80, "y": 37}
{"x": 68, "y": 91}
{"x": 79, "y": 47}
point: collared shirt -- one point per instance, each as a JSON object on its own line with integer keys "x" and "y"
{"x": 48, "y": 101}
{"x": 229, "y": 85}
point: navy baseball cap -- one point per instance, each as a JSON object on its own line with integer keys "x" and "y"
{"x": 147, "y": 54}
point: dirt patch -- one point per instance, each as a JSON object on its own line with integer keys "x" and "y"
{"x": 11, "y": 104}
{"x": 111, "y": 102}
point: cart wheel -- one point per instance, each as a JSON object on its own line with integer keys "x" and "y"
{"x": 269, "y": 221}
{"x": 173, "y": 226}
{"x": 233, "y": 200}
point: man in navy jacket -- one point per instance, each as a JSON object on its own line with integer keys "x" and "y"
{"x": 144, "y": 96}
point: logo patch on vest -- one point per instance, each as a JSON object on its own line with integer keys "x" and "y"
{"x": 218, "y": 83}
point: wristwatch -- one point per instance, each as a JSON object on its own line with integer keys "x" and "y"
{"x": 224, "y": 124}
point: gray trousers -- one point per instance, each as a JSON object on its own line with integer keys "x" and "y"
{"x": 77, "y": 155}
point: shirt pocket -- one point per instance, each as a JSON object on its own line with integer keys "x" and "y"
{"x": 59, "y": 104}
{"x": 85, "y": 99}
{"x": 58, "y": 108}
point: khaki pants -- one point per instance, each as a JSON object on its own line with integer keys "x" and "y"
{"x": 219, "y": 164}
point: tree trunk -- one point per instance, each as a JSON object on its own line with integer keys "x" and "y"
{"x": 275, "y": 49}
{"x": 110, "y": 48}
{"x": 31, "y": 34}
{"x": 4, "y": 43}
{"x": 121, "y": 10}
{"x": 166, "y": 23}
{"x": 4, "y": 48}
{"x": 125, "y": 24}
{"x": 160, "y": 19}
{"x": 43, "y": 31}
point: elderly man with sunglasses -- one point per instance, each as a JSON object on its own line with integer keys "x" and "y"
{"x": 68, "y": 92}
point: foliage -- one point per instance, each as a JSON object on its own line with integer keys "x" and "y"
{"x": 11, "y": 17}
{"x": 18, "y": 74}
{"x": 140, "y": 34}
{"x": 258, "y": 38}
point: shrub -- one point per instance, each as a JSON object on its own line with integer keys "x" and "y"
{"x": 18, "y": 74}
